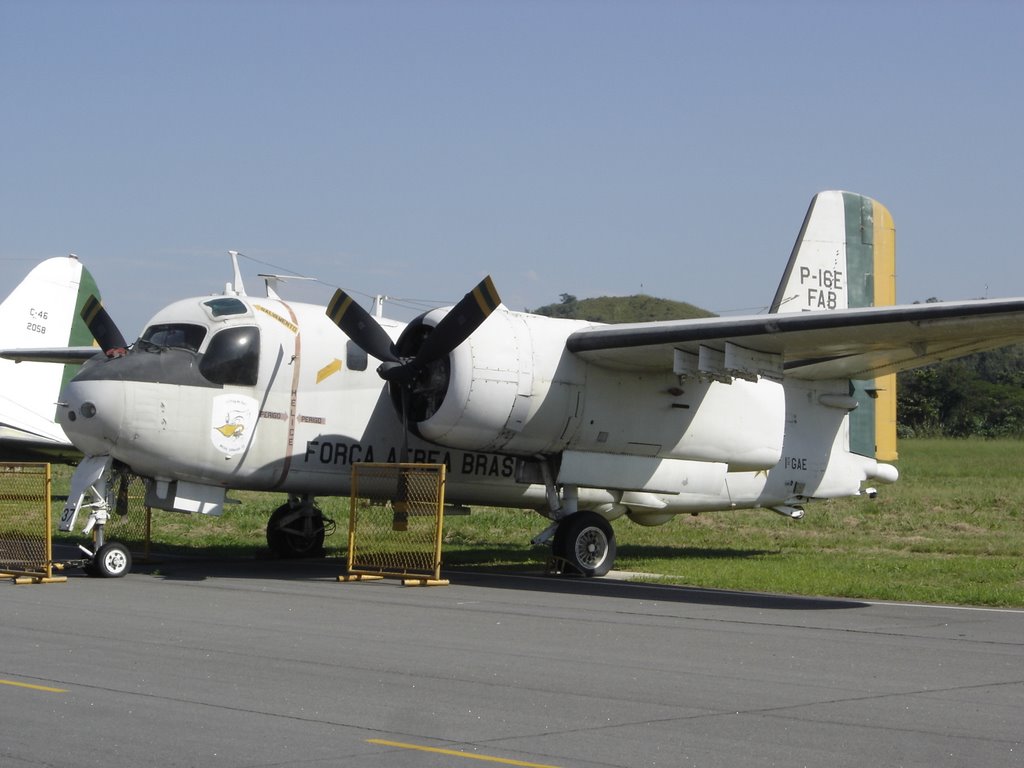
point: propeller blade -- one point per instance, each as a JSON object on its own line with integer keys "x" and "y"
{"x": 360, "y": 326}
{"x": 464, "y": 318}
{"x": 102, "y": 326}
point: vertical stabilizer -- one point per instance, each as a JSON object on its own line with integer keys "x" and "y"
{"x": 41, "y": 312}
{"x": 845, "y": 257}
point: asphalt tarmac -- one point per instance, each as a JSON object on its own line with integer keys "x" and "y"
{"x": 263, "y": 663}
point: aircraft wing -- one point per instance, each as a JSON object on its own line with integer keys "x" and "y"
{"x": 17, "y": 446}
{"x": 50, "y": 354}
{"x": 836, "y": 344}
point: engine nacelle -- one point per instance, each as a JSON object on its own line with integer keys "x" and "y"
{"x": 510, "y": 387}
{"x": 513, "y": 387}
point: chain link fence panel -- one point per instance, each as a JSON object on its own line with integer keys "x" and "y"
{"x": 26, "y": 548}
{"x": 395, "y": 521}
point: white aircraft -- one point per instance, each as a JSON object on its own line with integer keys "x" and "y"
{"x": 579, "y": 421}
{"x": 41, "y": 318}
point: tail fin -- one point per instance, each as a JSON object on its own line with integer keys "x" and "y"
{"x": 845, "y": 257}
{"x": 43, "y": 311}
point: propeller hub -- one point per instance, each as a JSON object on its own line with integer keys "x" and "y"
{"x": 394, "y": 372}
{"x": 416, "y": 365}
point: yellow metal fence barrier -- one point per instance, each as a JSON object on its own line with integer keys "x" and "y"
{"x": 395, "y": 522}
{"x": 26, "y": 549}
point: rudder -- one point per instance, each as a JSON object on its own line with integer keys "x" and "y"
{"x": 844, "y": 258}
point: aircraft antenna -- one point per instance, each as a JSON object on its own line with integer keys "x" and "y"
{"x": 237, "y": 287}
{"x": 272, "y": 281}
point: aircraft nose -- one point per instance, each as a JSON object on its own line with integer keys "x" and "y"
{"x": 91, "y": 414}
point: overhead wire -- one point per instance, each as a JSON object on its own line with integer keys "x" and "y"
{"x": 415, "y": 305}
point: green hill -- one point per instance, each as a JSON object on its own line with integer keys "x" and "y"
{"x": 621, "y": 309}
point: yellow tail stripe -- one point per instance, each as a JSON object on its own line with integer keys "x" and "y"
{"x": 456, "y": 753}
{"x": 885, "y": 256}
{"x": 885, "y": 295}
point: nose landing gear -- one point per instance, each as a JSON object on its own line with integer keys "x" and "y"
{"x": 89, "y": 490}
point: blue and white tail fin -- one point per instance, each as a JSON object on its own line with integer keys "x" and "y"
{"x": 845, "y": 257}
{"x": 42, "y": 312}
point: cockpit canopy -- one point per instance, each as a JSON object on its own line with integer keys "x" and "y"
{"x": 172, "y": 335}
{"x": 232, "y": 355}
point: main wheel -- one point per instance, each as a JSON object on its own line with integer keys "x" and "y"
{"x": 586, "y": 542}
{"x": 293, "y": 533}
{"x": 112, "y": 561}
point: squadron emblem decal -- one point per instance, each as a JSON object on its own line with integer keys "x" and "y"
{"x": 233, "y": 420}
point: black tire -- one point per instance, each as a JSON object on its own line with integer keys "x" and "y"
{"x": 586, "y": 542}
{"x": 300, "y": 537}
{"x": 112, "y": 561}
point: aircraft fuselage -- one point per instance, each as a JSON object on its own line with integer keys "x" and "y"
{"x": 264, "y": 394}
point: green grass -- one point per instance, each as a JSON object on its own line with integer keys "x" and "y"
{"x": 950, "y": 531}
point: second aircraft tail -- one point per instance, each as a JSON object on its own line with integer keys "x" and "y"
{"x": 43, "y": 311}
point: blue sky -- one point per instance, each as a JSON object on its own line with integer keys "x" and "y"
{"x": 591, "y": 148}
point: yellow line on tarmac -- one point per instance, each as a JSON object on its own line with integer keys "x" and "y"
{"x": 457, "y": 753}
{"x": 33, "y": 687}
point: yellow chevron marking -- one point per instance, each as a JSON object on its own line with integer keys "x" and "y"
{"x": 328, "y": 370}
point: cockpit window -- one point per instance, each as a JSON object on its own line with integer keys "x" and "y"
{"x": 355, "y": 358}
{"x": 233, "y": 356}
{"x": 225, "y": 305}
{"x": 167, "y": 335}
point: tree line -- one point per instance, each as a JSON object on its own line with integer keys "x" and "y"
{"x": 978, "y": 395}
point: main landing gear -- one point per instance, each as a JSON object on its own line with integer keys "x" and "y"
{"x": 582, "y": 541}
{"x": 585, "y": 542}
{"x": 297, "y": 529}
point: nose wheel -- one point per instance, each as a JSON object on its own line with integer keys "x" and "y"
{"x": 111, "y": 561}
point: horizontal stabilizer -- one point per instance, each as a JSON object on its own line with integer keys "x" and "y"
{"x": 50, "y": 354}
